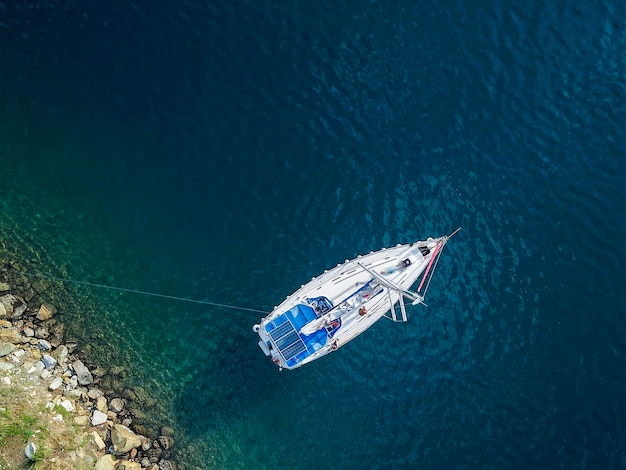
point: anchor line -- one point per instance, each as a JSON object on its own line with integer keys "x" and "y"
{"x": 133, "y": 291}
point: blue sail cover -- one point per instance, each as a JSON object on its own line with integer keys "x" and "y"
{"x": 295, "y": 346}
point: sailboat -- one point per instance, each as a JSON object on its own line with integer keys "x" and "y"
{"x": 337, "y": 306}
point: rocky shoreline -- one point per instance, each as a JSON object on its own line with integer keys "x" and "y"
{"x": 56, "y": 411}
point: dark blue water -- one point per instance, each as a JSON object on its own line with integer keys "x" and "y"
{"x": 228, "y": 151}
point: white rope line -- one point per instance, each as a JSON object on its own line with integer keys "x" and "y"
{"x": 134, "y": 291}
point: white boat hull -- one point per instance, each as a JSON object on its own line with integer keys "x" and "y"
{"x": 334, "y": 308}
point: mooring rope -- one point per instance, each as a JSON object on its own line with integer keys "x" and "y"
{"x": 132, "y": 291}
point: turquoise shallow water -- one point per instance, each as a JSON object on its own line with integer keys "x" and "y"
{"x": 229, "y": 152}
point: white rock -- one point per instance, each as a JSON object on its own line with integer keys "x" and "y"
{"x": 18, "y": 355}
{"x": 61, "y": 353}
{"x": 6, "y": 380}
{"x": 6, "y": 349}
{"x": 68, "y": 405}
{"x": 58, "y": 418}
{"x": 48, "y": 361}
{"x": 98, "y": 440}
{"x": 30, "y": 450}
{"x": 56, "y": 383}
{"x": 45, "y": 374}
{"x": 6, "y": 366}
{"x": 29, "y": 332}
{"x": 98, "y": 418}
{"x": 37, "y": 368}
{"x": 84, "y": 376}
{"x": 78, "y": 393}
{"x": 18, "y": 311}
{"x": 44, "y": 345}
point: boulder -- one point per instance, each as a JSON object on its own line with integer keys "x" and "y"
{"x": 68, "y": 405}
{"x": 128, "y": 465}
{"x": 80, "y": 420}
{"x": 61, "y": 353}
{"x": 94, "y": 393}
{"x": 46, "y": 312}
{"x": 30, "y": 450}
{"x": 101, "y": 404}
{"x": 167, "y": 465}
{"x": 98, "y": 440}
{"x": 18, "y": 355}
{"x": 10, "y": 335}
{"x": 7, "y": 302}
{"x": 123, "y": 439}
{"x": 116, "y": 405}
{"x": 18, "y": 311}
{"x": 6, "y": 349}
{"x": 38, "y": 368}
{"x": 4, "y": 287}
{"x": 98, "y": 418}
{"x": 56, "y": 383}
{"x": 166, "y": 442}
{"x": 83, "y": 374}
{"x": 106, "y": 462}
{"x": 48, "y": 361}
{"x": 42, "y": 332}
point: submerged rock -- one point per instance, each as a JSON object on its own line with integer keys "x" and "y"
{"x": 116, "y": 405}
{"x": 166, "y": 442}
{"x": 46, "y": 312}
{"x": 167, "y": 465}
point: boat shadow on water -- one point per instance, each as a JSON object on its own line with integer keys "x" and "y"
{"x": 233, "y": 379}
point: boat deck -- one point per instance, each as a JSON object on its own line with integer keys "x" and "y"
{"x": 293, "y": 346}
